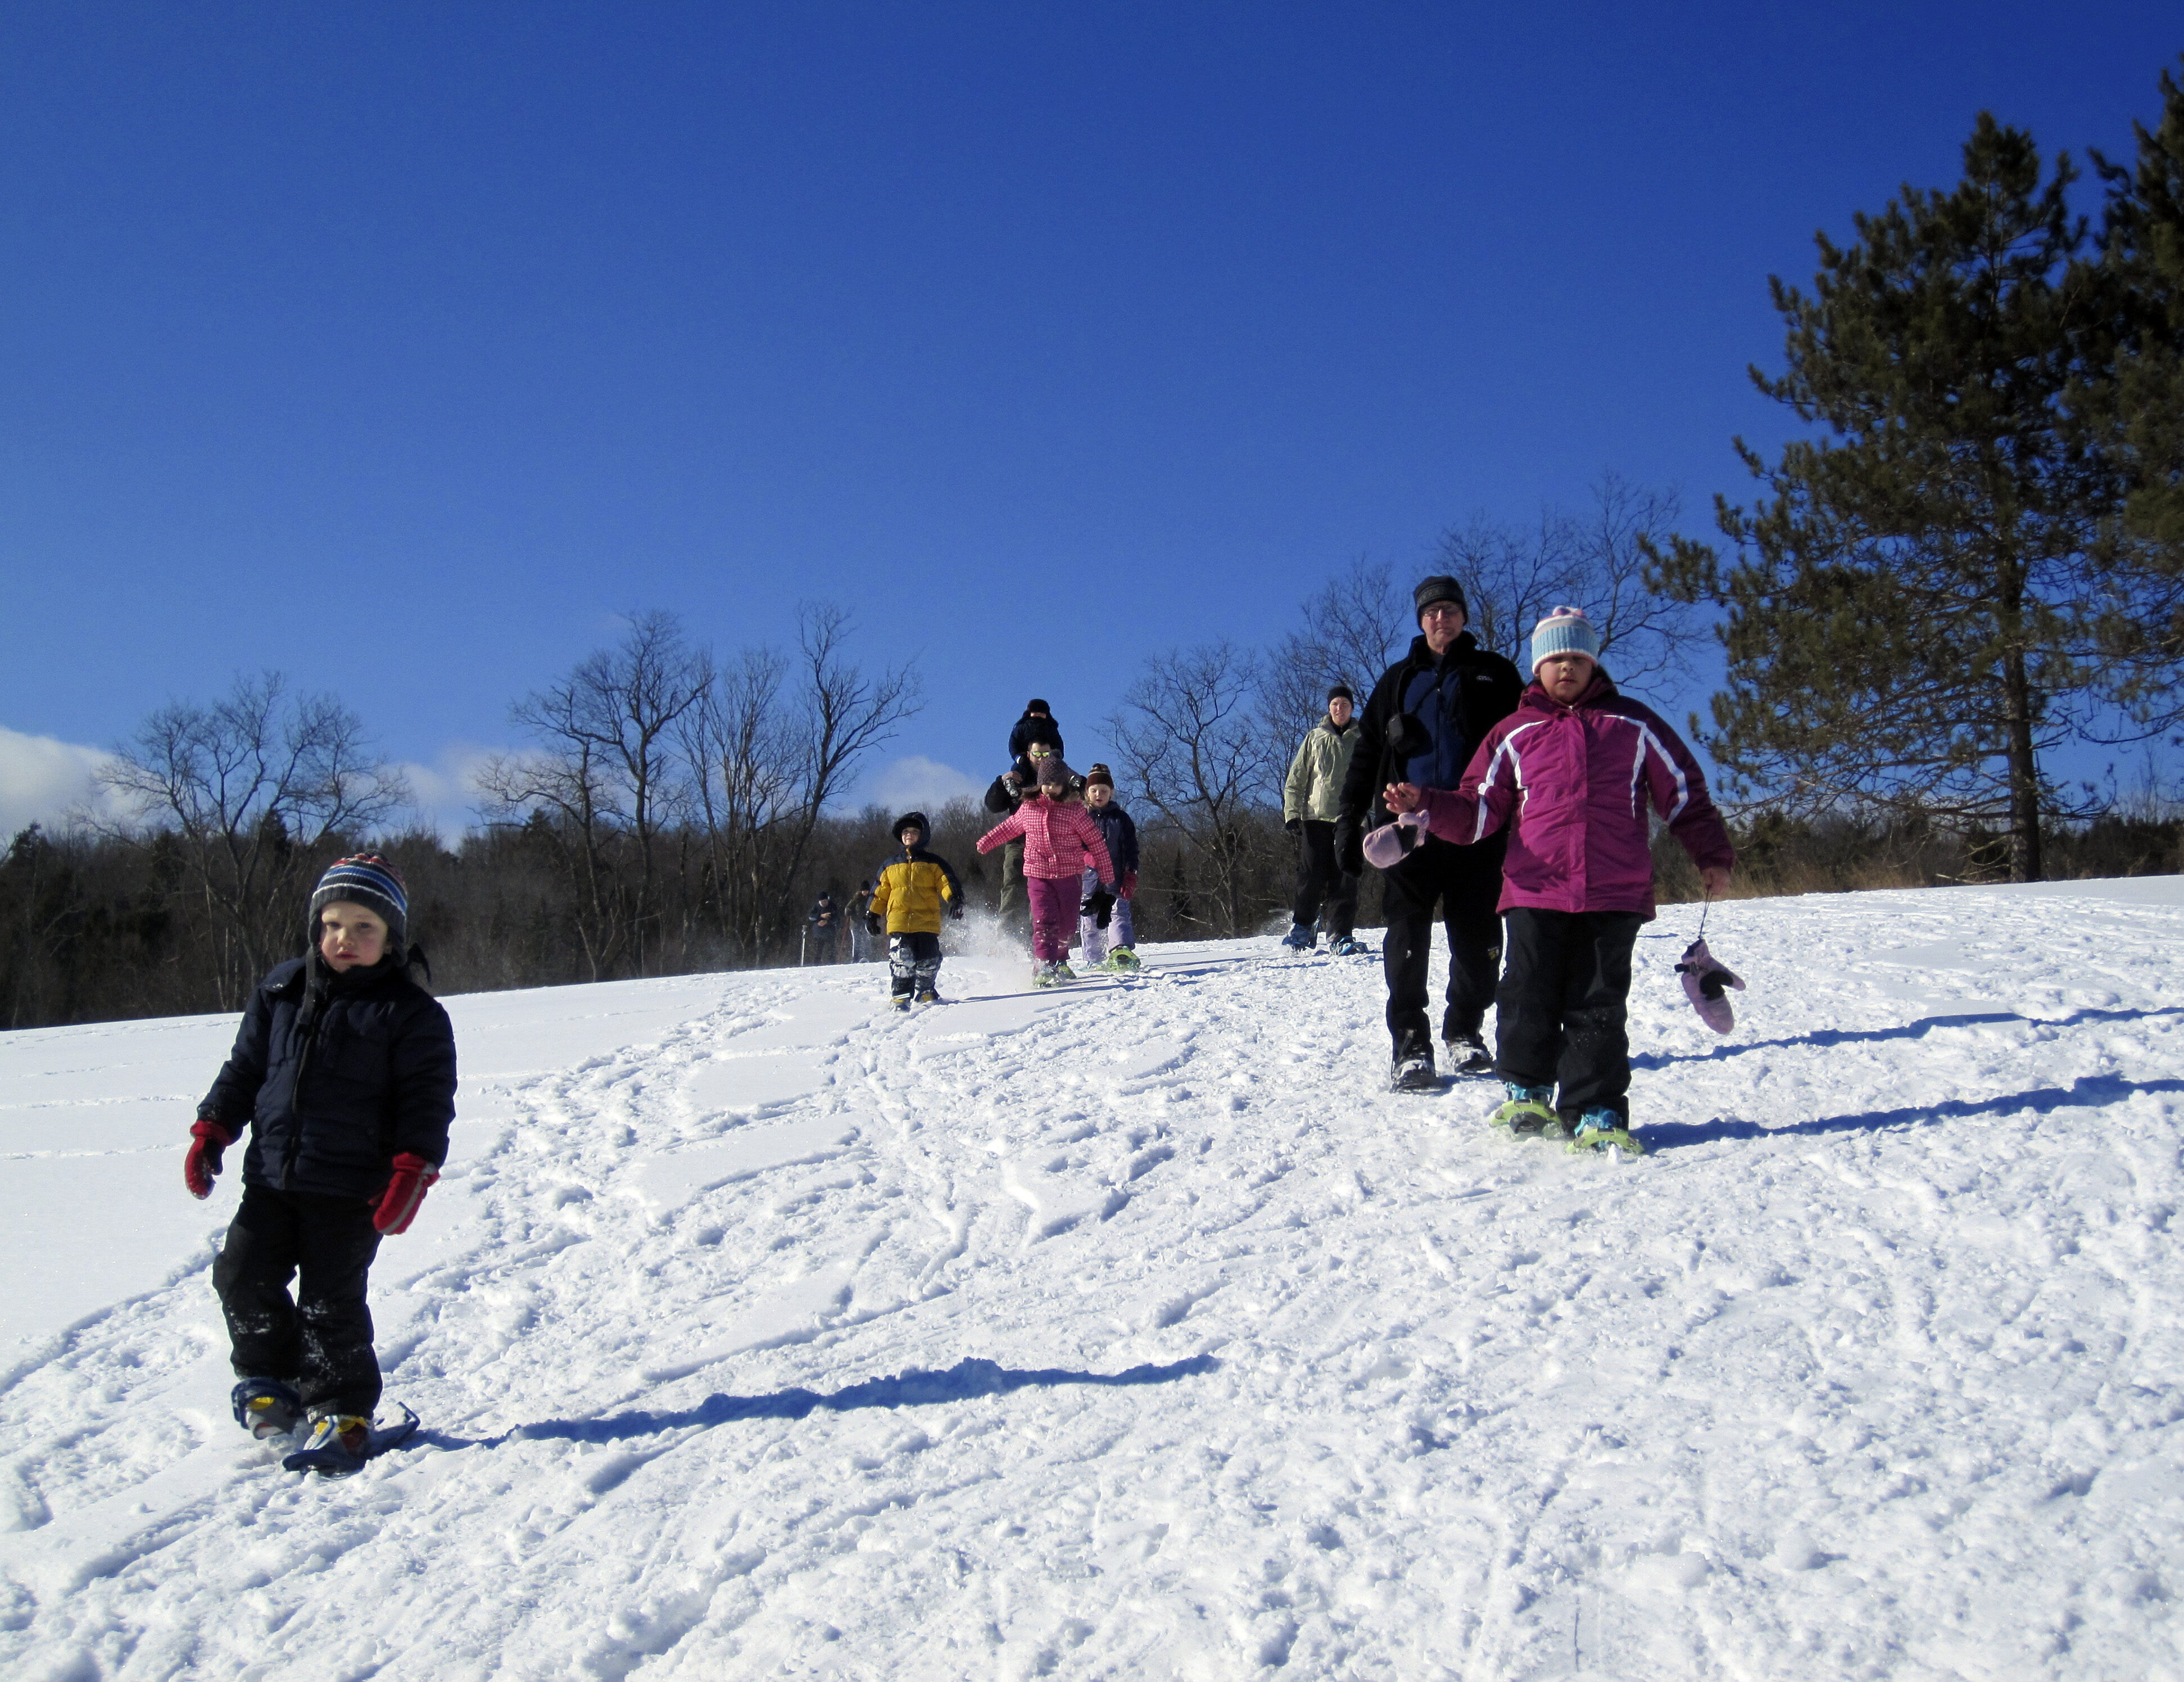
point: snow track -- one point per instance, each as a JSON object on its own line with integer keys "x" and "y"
{"x": 1133, "y": 1330}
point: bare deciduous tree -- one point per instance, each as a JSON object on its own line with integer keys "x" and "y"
{"x": 255, "y": 785}
{"x": 1193, "y": 739}
{"x": 1596, "y": 560}
{"x": 606, "y": 770}
{"x": 1354, "y": 628}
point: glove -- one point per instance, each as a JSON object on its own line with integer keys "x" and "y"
{"x": 200, "y": 1167}
{"x": 1349, "y": 845}
{"x": 1129, "y": 888}
{"x": 1294, "y": 825}
{"x": 955, "y": 911}
{"x": 405, "y": 1192}
{"x": 1100, "y": 906}
{"x": 875, "y": 924}
{"x": 1014, "y": 784}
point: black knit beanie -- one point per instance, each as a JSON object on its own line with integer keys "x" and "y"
{"x": 1441, "y": 588}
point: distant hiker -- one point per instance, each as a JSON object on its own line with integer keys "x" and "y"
{"x": 1007, "y": 791}
{"x": 1311, "y": 801}
{"x": 860, "y": 939}
{"x": 344, "y": 1072}
{"x": 1036, "y": 725}
{"x": 1112, "y": 944}
{"x": 1423, "y": 721}
{"x": 1563, "y": 774}
{"x": 916, "y": 890}
{"x": 1060, "y": 841}
{"x": 824, "y": 922}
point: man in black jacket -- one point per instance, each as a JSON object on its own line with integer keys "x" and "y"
{"x": 1426, "y": 716}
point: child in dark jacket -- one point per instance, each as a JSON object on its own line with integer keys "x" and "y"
{"x": 1113, "y": 947}
{"x": 916, "y": 890}
{"x": 344, "y": 1072}
{"x": 1571, "y": 773}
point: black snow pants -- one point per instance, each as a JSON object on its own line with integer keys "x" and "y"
{"x": 913, "y": 963}
{"x": 1016, "y": 898}
{"x": 1466, "y": 883}
{"x": 1324, "y": 889}
{"x": 320, "y": 1340}
{"x": 1559, "y": 1016}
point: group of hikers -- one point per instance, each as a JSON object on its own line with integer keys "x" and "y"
{"x": 1514, "y": 812}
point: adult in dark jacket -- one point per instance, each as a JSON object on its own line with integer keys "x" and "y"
{"x": 1037, "y": 725}
{"x": 344, "y": 1072}
{"x": 1425, "y": 718}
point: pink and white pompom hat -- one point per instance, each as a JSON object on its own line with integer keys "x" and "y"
{"x": 1564, "y": 631}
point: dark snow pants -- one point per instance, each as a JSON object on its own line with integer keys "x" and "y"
{"x": 320, "y": 1340}
{"x": 1324, "y": 889}
{"x": 1559, "y": 1015}
{"x": 913, "y": 963}
{"x": 1015, "y": 900}
{"x": 1466, "y": 883}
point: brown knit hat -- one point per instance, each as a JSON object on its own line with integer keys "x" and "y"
{"x": 1099, "y": 773}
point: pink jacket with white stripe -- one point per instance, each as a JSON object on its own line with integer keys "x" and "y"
{"x": 1060, "y": 840}
{"x": 1574, "y": 783}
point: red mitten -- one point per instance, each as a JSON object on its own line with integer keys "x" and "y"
{"x": 405, "y": 1192}
{"x": 200, "y": 1167}
{"x": 1129, "y": 888}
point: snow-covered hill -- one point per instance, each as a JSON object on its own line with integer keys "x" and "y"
{"x": 1136, "y": 1332}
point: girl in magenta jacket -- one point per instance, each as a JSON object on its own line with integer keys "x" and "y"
{"x": 1061, "y": 844}
{"x": 1572, "y": 773}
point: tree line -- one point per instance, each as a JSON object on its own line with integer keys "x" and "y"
{"x": 1975, "y": 561}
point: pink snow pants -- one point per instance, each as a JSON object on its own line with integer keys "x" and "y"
{"x": 1053, "y": 915}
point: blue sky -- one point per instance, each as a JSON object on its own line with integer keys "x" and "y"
{"x": 404, "y": 347}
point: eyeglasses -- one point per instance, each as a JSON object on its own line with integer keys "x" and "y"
{"x": 1441, "y": 610}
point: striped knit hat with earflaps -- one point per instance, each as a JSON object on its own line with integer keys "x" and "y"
{"x": 369, "y": 881}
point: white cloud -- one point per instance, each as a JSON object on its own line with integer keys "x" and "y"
{"x": 445, "y": 792}
{"x": 41, "y": 778}
{"x": 918, "y": 783}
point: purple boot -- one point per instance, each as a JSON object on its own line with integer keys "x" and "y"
{"x": 1704, "y": 979}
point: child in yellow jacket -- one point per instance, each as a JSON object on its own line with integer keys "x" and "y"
{"x": 915, "y": 889}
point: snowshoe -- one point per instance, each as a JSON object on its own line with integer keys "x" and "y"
{"x": 1301, "y": 938}
{"x": 1529, "y": 1111}
{"x": 341, "y": 1443}
{"x": 1705, "y": 977}
{"x": 1124, "y": 961}
{"x": 1062, "y": 971}
{"x": 1348, "y": 946}
{"x": 1467, "y": 1054}
{"x": 929, "y": 997}
{"x": 899, "y": 1001}
{"x": 1604, "y": 1130}
{"x": 1043, "y": 975}
{"x": 1412, "y": 1068}
{"x": 266, "y": 1407}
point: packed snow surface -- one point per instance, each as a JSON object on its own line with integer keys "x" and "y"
{"x": 1136, "y": 1330}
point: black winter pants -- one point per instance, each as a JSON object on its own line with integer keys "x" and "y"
{"x": 1466, "y": 883}
{"x": 320, "y": 1340}
{"x": 913, "y": 963}
{"x": 1559, "y": 1016}
{"x": 1324, "y": 888}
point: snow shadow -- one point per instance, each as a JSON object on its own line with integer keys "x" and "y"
{"x": 965, "y": 1380}
{"x": 2086, "y": 1091}
{"x": 1829, "y": 1037}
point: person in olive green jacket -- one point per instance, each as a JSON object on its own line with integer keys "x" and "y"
{"x": 1312, "y": 800}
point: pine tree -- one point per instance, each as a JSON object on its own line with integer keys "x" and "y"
{"x": 1912, "y": 616}
{"x": 2134, "y": 402}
